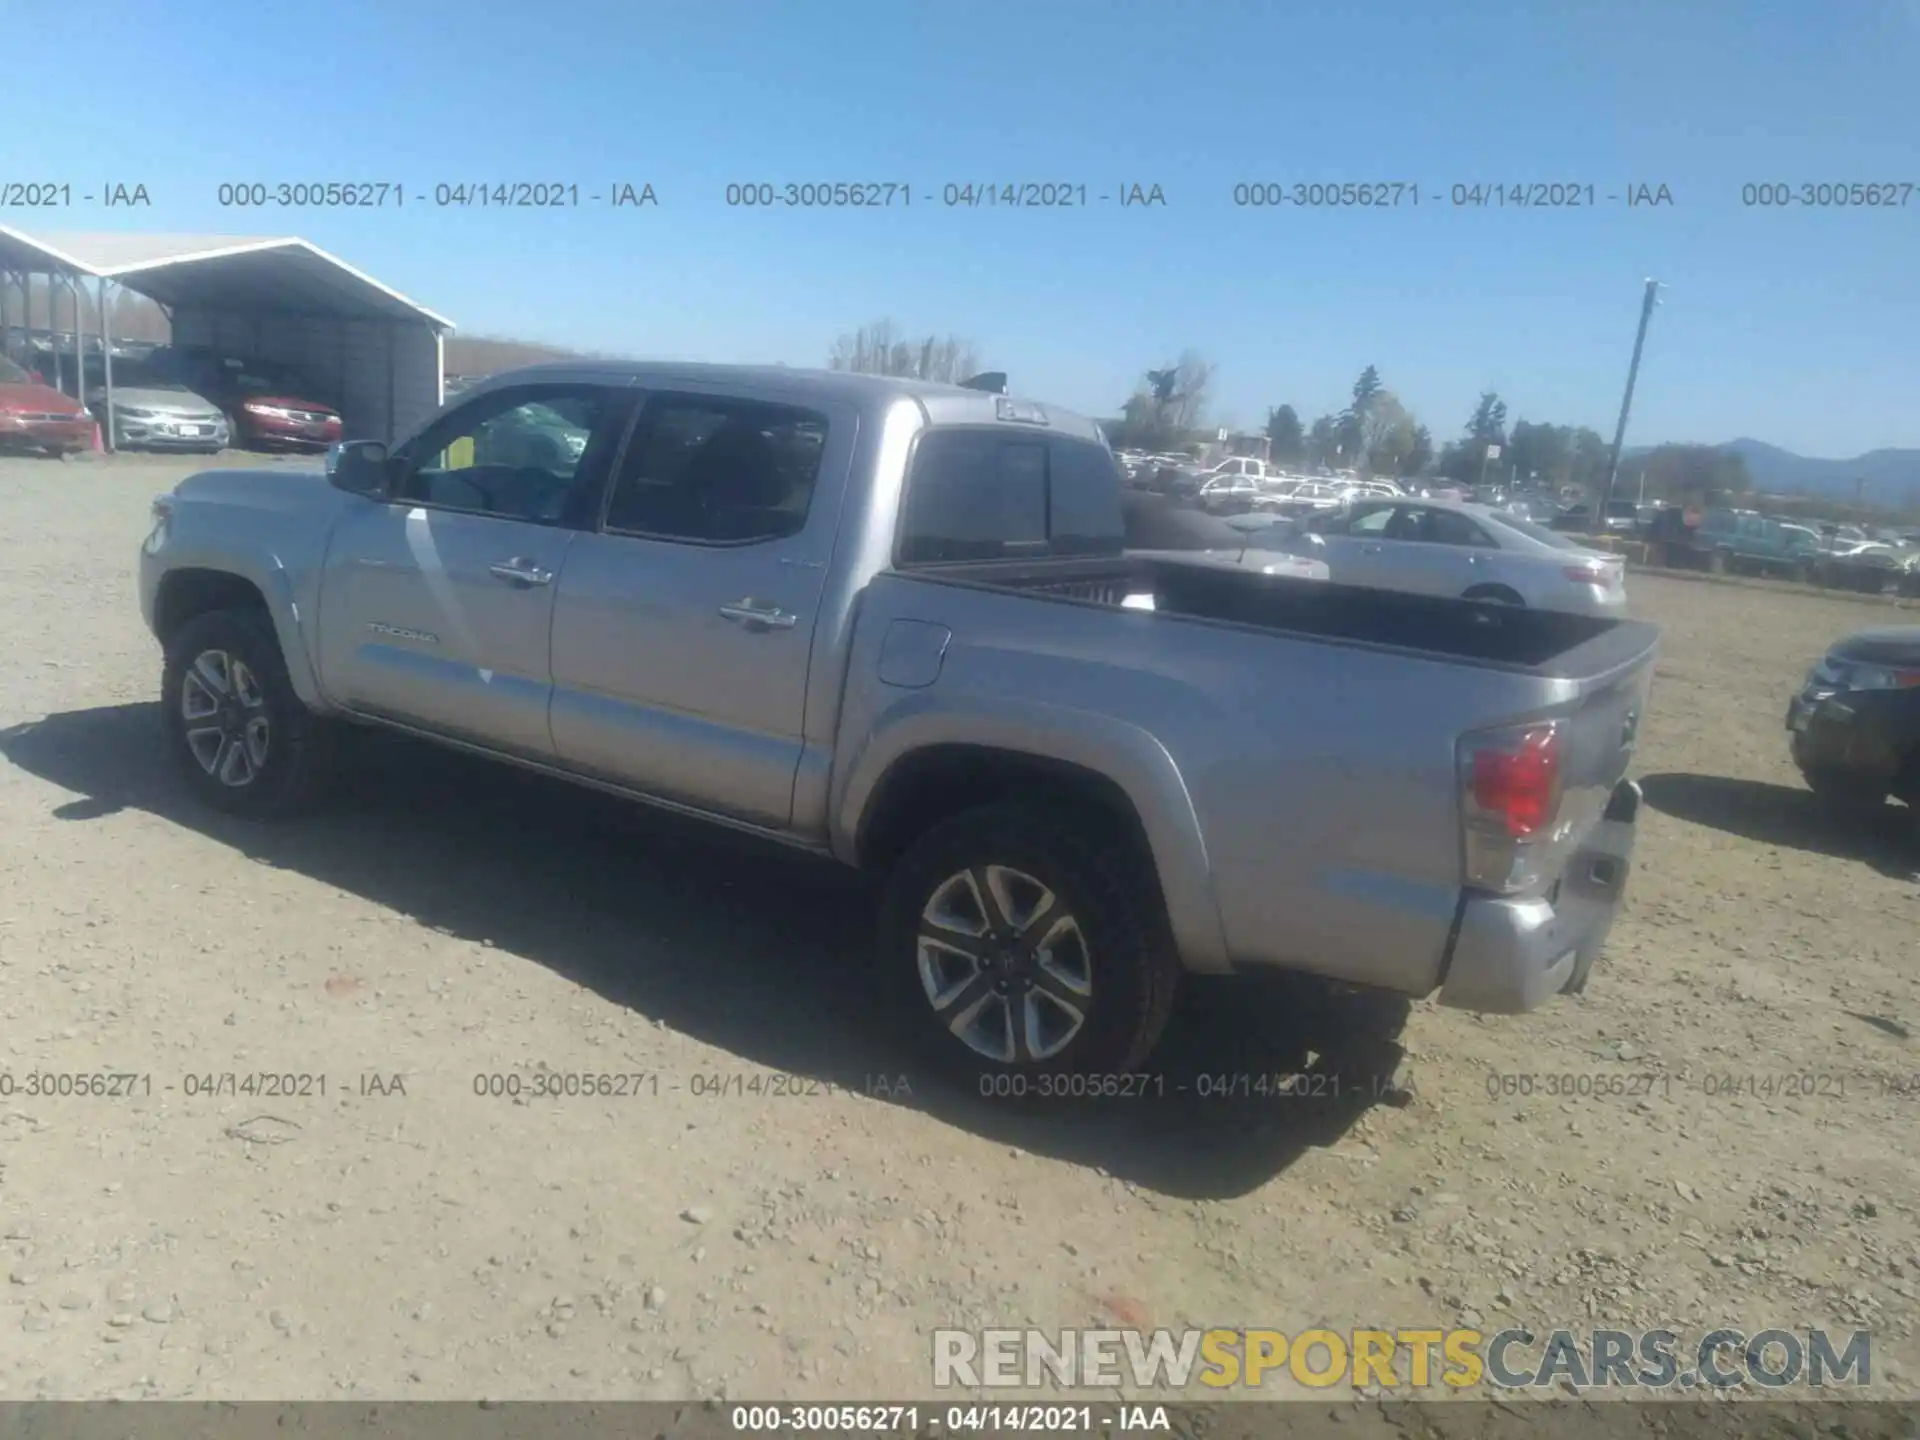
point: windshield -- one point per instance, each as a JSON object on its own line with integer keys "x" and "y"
{"x": 1622, "y": 509}
{"x": 12, "y": 374}
{"x": 255, "y": 381}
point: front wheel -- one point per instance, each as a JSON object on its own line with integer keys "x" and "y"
{"x": 235, "y": 729}
{"x": 1016, "y": 942}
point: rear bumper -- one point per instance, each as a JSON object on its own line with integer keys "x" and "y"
{"x": 1864, "y": 734}
{"x": 1513, "y": 955}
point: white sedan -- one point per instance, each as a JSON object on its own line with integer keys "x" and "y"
{"x": 1450, "y": 548}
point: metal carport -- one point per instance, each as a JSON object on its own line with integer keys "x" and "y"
{"x": 279, "y": 299}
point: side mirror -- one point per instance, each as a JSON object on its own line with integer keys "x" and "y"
{"x": 360, "y": 467}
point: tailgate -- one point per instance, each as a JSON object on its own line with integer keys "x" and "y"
{"x": 1601, "y": 734}
{"x": 1535, "y": 790}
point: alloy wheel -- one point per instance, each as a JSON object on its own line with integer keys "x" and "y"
{"x": 1005, "y": 965}
{"x": 224, "y": 712}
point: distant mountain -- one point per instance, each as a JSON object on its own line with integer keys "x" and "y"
{"x": 1892, "y": 476}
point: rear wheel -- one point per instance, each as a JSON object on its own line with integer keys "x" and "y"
{"x": 1719, "y": 562}
{"x": 1017, "y": 943}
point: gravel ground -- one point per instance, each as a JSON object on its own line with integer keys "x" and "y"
{"x": 401, "y": 1236}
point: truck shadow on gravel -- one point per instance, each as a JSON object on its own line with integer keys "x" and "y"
{"x": 757, "y": 951}
{"x": 1790, "y": 818}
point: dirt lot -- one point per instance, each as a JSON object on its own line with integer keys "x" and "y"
{"x": 445, "y": 921}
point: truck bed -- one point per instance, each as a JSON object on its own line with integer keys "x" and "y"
{"x": 1551, "y": 644}
{"x": 1314, "y": 729}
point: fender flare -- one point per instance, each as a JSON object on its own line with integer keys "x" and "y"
{"x": 1123, "y": 753}
{"x": 275, "y": 586}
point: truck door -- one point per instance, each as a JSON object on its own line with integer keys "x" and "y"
{"x": 436, "y": 605}
{"x": 684, "y": 624}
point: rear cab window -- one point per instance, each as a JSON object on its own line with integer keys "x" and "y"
{"x": 980, "y": 493}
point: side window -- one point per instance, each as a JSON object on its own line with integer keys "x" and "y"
{"x": 974, "y": 495}
{"x": 1370, "y": 520}
{"x": 516, "y": 454}
{"x": 982, "y": 495}
{"x": 1408, "y": 523}
{"x": 1449, "y": 527}
{"x": 1083, "y": 500}
{"x": 715, "y": 470}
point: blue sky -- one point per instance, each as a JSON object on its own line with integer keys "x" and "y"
{"x": 1798, "y": 327}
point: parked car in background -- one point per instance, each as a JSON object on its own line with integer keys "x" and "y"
{"x": 1229, "y": 494}
{"x": 922, "y": 657}
{"x": 1300, "y": 497}
{"x": 1450, "y": 548}
{"x": 1620, "y": 517}
{"x": 1746, "y": 542}
{"x": 1837, "y": 537}
{"x": 1177, "y": 477}
{"x": 1575, "y": 519}
{"x": 1158, "y": 526}
{"x": 152, "y": 411}
{"x": 1871, "y": 568}
{"x": 267, "y": 406}
{"x": 1243, "y": 467}
{"x": 1854, "y": 727}
{"x": 1803, "y": 535}
{"x": 36, "y": 416}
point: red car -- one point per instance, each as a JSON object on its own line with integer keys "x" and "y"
{"x": 268, "y": 406}
{"x": 37, "y": 415}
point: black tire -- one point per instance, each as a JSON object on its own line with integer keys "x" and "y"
{"x": 284, "y": 772}
{"x": 1719, "y": 562}
{"x": 1125, "y": 952}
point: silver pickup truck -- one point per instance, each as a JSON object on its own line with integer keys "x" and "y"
{"x": 894, "y": 623}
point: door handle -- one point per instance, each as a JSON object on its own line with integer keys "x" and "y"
{"x": 1369, "y": 549}
{"x": 770, "y": 617}
{"x": 520, "y": 571}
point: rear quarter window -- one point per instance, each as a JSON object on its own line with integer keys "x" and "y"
{"x": 987, "y": 495}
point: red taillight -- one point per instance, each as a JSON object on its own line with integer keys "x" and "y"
{"x": 1517, "y": 784}
{"x": 1601, "y": 575}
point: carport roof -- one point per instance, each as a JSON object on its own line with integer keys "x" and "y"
{"x": 219, "y": 271}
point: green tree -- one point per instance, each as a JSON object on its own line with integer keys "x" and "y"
{"x": 1286, "y": 440}
{"x": 1542, "y": 450}
{"x": 1323, "y": 440}
{"x": 1696, "y": 473}
{"x": 1488, "y": 424}
{"x": 1419, "y": 454}
{"x": 1352, "y": 423}
{"x": 1463, "y": 460}
{"x": 1365, "y": 389}
{"x": 1386, "y": 432}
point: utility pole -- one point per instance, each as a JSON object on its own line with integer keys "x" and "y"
{"x": 1626, "y": 400}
